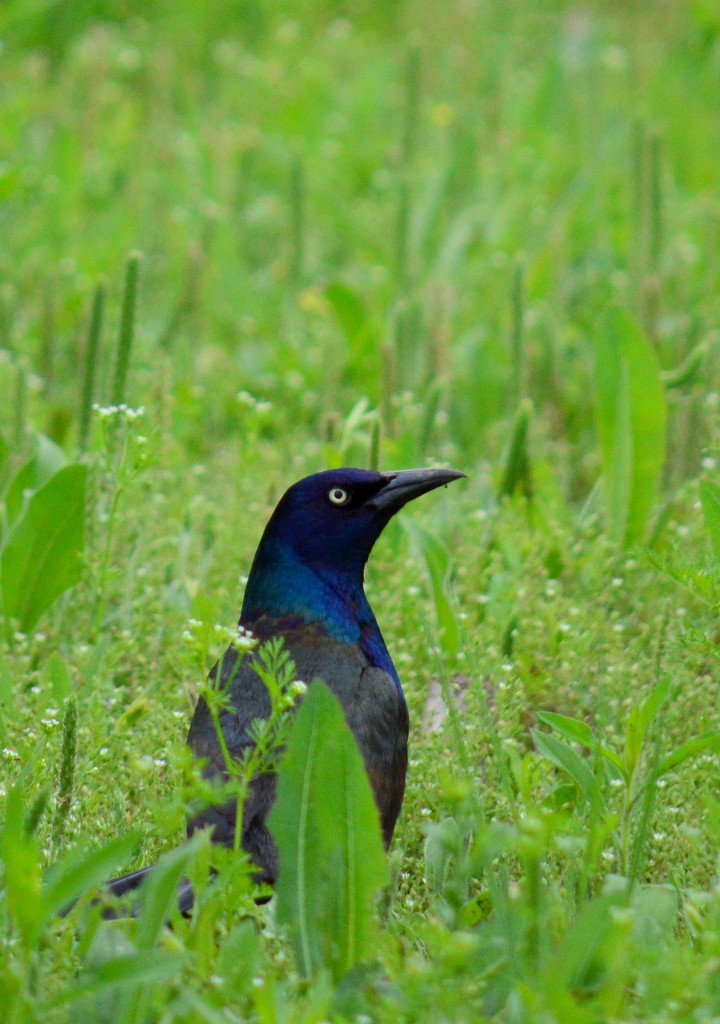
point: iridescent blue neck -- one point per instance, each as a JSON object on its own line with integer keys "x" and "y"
{"x": 281, "y": 584}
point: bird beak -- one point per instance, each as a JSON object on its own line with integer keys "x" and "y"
{"x": 407, "y": 484}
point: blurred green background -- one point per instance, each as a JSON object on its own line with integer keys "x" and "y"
{"x": 394, "y": 201}
{"x": 476, "y": 232}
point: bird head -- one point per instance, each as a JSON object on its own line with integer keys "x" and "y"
{"x": 333, "y": 518}
{"x": 311, "y": 558}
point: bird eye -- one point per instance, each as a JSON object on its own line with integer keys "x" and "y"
{"x": 338, "y": 496}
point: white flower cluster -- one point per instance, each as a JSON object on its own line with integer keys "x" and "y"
{"x": 243, "y": 639}
{"x": 240, "y": 638}
{"x": 251, "y": 402}
{"x": 108, "y": 412}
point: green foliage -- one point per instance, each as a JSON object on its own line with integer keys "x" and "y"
{"x": 710, "y": 498}
{"x": 41, "y": 556}
{"x": 631, "y": 415}
{"x": 32, "y": 901}
{"x": 36, "y": 472}
{"x": 365, "y": 246}
{"x": 273, "y": 664}
{"x": 66, "y": 772}
{"x": 91, "y": 365}
{"x": 127, "y": 329}
{"x": 326, "y": 826}
{"x": 516, "y": 475}
{"x": 437, "y": 562}
{"x": 21, "y": 860}
{"x": 637, "y": 769}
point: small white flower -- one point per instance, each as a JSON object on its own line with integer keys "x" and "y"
{"x": 244, "y": 640}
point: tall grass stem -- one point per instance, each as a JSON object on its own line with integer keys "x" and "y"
{"x": 66, "y": 772}
{"x": 91, "y": 362}
{"x": 127, "y": 328}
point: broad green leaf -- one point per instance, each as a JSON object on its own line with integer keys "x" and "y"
{"x": 565, "y": 757}
{"x": 41, "y": 557}
{"x": 581, "y": 733}
{"x": 570, "y": 728}
{"x": 710, "y": 500}
{"x": 707, "y": 741}
{"x": 326, "y": 826}
{"x": 20, "y": 854}
{"x": 638, "y": 722}
{"x": 630, "y": 409}
{"x": 437, "y": 560}
{"x": 616, "y": 761}
{"x": 652, "y": 703}
{"x": 48, "y": 459}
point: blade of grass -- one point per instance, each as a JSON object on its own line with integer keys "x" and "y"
{"x": 90, "y": 367}
{"x": 127, "y": 329}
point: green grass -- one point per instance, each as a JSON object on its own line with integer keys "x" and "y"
{"x": 484, "y": 234}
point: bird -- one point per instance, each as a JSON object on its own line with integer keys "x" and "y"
{"x": 306, "y": 586}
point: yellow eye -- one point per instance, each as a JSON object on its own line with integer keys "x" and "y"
{"x": 338, "y": 496}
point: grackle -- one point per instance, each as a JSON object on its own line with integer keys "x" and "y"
{"x": 306, "y": 585}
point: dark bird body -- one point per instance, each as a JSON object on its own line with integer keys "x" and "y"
{"x": 306, "y": 585}
{"x": 374, "y": 708}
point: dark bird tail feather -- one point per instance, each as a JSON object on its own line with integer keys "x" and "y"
{"x": 133, "y": 880}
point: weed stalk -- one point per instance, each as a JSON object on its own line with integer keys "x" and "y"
{"x": 91, "y": 362}
{"x": 127, "y": 329}
{"x": 66, "y": 773}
